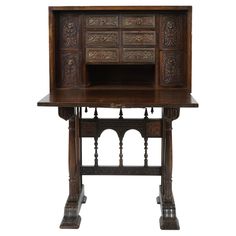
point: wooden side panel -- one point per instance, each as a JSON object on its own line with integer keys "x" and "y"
{"x": 171, "y": 32}
{"x": 68, "y": 54}
{"x": 173, "y": 48}
{"x": 172, "y": 69}
{"x": 69, "y": 63}
{"x": 69, "y": 32}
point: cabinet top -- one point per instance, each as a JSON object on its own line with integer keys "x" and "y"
{"x": 128, "y": 8}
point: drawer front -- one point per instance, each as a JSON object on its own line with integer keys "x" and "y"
{"x": 138, "y": 55}
{"x": 138, "y": 21}
{"x": 107, "y": 38}
{"x": 102, "y": 21}
{"x": 139, "y": 38}
{"x": 100, "y": 55}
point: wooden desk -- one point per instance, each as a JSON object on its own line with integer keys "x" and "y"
{"x": 119, "y": 57}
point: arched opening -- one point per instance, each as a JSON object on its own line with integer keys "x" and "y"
{"x": 133, "y": 151}
{"x": 108, "y": 148}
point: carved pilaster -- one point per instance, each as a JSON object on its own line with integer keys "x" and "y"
{"x": 166, "y": 199}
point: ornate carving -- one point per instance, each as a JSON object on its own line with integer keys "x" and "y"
{"x": 139, "y": 55}
{"x": 105, "y": 21}
{"x": 102, "y": 38}
{"x": 171, "y": 32}
{"x": 137, "y": 21}
{"x": 69, "y": 31}
{"x": 66, "y": 113}
{"x": 171, "y": 69}
{"x": 139, "y": 38}
{"x": 171, "y": 113}
{"x": 69, "y": 69}
{"x": 102, "y": 55}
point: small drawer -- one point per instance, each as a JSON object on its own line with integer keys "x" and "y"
{"x": 102, "y": 21}
{"x": 138, "y": 21}
{"x": 101, "y": 55}
{"x": 139, "y": 38}
{"x": 138, "y": 55}
{"x": 102, "y": 38}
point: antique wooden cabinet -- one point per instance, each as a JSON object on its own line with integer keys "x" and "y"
{"x": 119, "y": 57}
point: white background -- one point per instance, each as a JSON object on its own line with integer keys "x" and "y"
{"x": 33, "y": 151}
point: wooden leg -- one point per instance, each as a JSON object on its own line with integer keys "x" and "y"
{"x": 71, "y": 219}
{"x": 168, "y": 219}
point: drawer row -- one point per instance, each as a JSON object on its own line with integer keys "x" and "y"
{"x": 114, "y": 55}
{"x": 114, "y": 31}
{"x": 125, "y": 21}
{"x": 112, "y": 38}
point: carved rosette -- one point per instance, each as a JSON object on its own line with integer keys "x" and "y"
{"x": 69, "y": 32}
{"x": 70, "y": 69}
{"x": 171, "y": 32}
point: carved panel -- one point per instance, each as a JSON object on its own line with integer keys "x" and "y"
{"x": 139, "y": 37}
{"x": 172, "y": 72}
{"x": 102, "y": 38}
{"x": 142, "y": 55}
{"x": 171, "y": 32}
{"x": 102, "y": 55}
{"x": 69, "y": 64}
{"x": 69, "y": 31}
{"x": 104, "y": 21}
{"x": 138, "y": 21}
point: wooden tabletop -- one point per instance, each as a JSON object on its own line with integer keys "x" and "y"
{"x": 118, "y": 98}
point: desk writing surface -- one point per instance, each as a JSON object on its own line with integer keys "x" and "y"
{"x": 118, "y": 98}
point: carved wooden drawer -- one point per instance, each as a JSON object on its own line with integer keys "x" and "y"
{"x": 138, "y": 21}
{"x": 102, "y": 38}
{"x": 101, "y": 55}
{"x": 138, "y": 55}
{"x": 102, "y": 21}
{"x": 139, "y": 38}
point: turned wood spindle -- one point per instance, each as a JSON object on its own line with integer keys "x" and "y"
{"x": 96, "y": 152}
{"x": 121, "y": 152}
{"x": 145, "y": 152}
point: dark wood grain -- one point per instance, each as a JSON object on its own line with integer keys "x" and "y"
{"x": 118, "y": 98}
{"x": 119, "y": 57}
